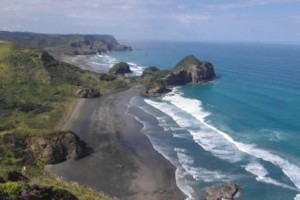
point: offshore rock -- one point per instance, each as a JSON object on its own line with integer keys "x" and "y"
{"x": 224, "y": 192}
{"x": 190, "y": 70}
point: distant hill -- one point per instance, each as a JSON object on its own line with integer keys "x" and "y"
{"x": 72, "y": 44}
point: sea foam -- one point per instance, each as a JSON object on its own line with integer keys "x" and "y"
{"x": 219, "y": 143}
{"x": 107, "y": 60}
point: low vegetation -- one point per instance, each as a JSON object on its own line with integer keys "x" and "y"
{"x": 35, "y": 92}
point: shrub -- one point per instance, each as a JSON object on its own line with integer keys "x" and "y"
{"x": 11, "y": 188}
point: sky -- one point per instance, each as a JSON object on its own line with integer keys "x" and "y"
{"x": 176, "y": 20}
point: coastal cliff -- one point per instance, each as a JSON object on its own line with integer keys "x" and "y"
{"x": 71, "y": 44}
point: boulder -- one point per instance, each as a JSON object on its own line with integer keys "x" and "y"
{"x": 121, "y": 68}
{"x": 87, "y": 92}
{"x": 48, "y": 148}
{"x": 226, "y": 191}
{"x": 56, "y": 147}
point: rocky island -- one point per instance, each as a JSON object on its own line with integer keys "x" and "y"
{"x": 188, "y": 70}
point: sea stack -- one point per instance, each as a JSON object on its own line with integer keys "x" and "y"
{"x": 190, "y": 70}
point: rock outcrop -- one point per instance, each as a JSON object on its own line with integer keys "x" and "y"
{"x": 190, "y": 70}
{"x": 87, "y": 92}
{"x": 152, "y": 77}
{"x": 157, "y": 88}
{"x": 56, "y": 147}
{"x": 48, "y": 149}
{"x": 226, "y": 192}
{"x": 121, "y": 68}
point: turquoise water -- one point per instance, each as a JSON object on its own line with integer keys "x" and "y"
{"x": 243, "y": 128}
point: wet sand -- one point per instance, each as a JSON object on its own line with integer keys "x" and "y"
{"x": 124, "y": 163}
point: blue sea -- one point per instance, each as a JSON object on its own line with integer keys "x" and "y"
{"x": 242, "y": 128}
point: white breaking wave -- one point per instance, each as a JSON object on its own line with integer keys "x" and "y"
{"x": 108, "y": 61}
{"x": 258, "y": 170}
{"x": 136, "y": 69}
{"x": 205, "y": 137}
{"x": 180, "y": 173}
{"x": 198, "y": 173}
{"x": 297, "y": 197}
{"x": 219, "y": 143}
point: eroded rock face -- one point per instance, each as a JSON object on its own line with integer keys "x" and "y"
{"x": 224, "y": 192}
{"x": 48, "y": 149}
{"x": 157, "y": 87}
{"x": 56, "y": 147}
{"x": 188, "y": 70}
{"x": 87, "y": 92}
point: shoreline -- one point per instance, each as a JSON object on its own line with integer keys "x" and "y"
{"x": 83, "y": 62}
{"x": 124, "y": 163}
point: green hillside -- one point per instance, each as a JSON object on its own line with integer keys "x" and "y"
{"x": 35, "y": 92}
{"x": 35, "y": 89}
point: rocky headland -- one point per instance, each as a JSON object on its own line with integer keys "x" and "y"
{"x": 71, "y": 44}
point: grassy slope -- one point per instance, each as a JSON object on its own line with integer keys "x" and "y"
{"x": 35, "y": 91}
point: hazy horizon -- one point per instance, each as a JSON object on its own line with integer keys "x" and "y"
{"x": 262, "y": 21}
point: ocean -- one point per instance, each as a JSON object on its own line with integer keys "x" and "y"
{"x": 242, "y": 128}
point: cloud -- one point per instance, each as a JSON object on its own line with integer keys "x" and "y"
{"x": 191, "y": 18}
{"x": 150, "y": 18}
{"x": 243, "y": 4}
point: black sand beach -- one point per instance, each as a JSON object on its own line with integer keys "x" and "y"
{"x": 124, "y": 163}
